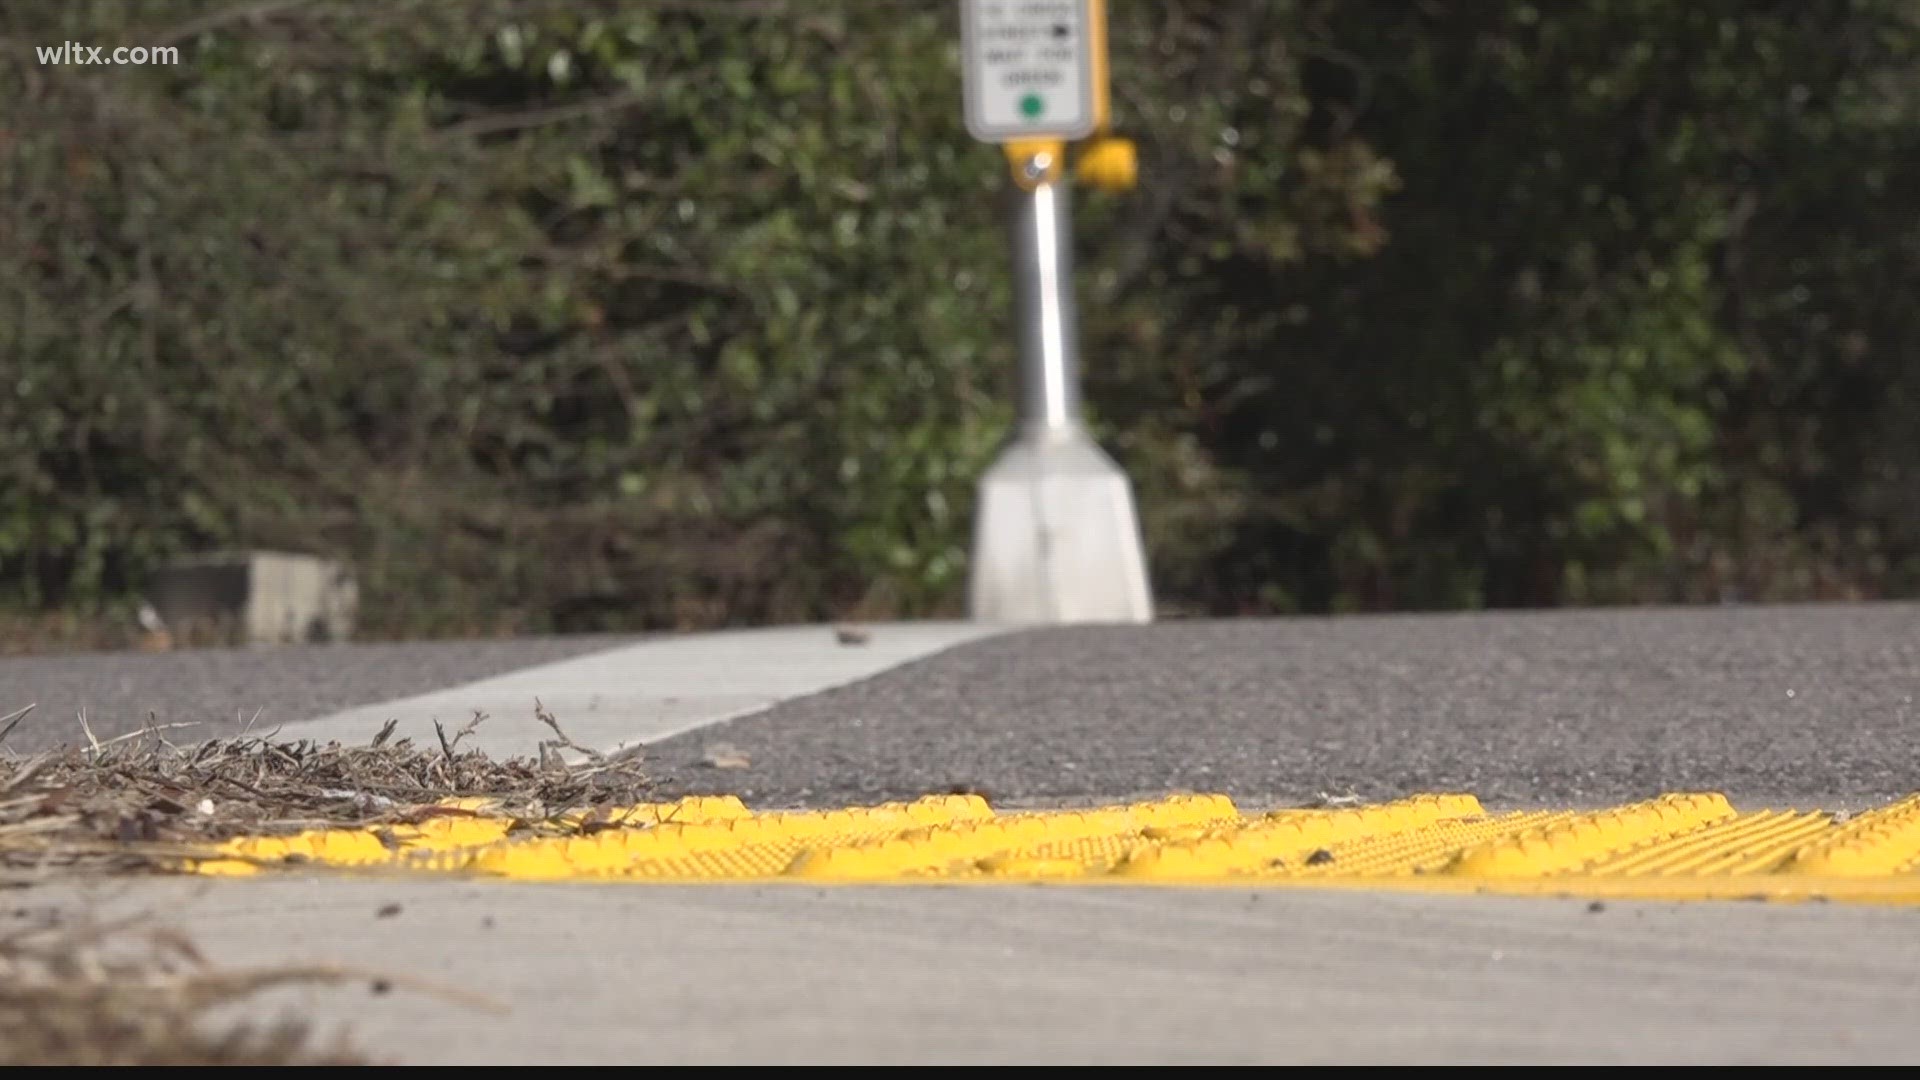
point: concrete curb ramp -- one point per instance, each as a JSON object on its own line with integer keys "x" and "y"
{"x": 1683, "y": 846}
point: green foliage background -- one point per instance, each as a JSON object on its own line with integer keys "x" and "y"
{"x": 567, "y": 316}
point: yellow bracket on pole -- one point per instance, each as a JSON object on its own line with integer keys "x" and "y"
{"x": 1108, "y": 164}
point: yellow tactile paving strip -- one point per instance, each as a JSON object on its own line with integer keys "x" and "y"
{"x": 1681, "y": 846}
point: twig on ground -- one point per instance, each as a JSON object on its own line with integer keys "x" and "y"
{"x": 447, "y": 746}
{"x": 26, "y": 772}
{"x": 12, "y": 720}
{"x": 153, "y": 723}
{"x": 541, "y": 714}
{"x": 152, "y": 729}
{"x": 88, "y": 729}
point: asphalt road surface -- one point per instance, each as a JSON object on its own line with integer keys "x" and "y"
{"x": 1807, "y": 705}
{"x": 1811, "y": 706}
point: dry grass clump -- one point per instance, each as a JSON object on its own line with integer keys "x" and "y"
{"x": 140, "y": 800}
{"x": 93, "y": 994}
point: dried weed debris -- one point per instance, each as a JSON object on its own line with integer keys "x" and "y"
{"x": 80, "y": 991}
{"x": 140, "y": 800}
{"x": 92, "y": 994}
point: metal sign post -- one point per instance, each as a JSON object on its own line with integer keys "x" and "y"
{"x": 1046, "y": 318}
{"x": 1056, "y": 536}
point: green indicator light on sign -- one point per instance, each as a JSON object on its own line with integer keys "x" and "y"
{"x": 1032, "y": 106}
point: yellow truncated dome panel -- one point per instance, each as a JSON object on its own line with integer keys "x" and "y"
{"x": 1687, "y": 846}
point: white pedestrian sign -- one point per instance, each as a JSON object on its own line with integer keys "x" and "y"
{"x": 1032, "y": 68}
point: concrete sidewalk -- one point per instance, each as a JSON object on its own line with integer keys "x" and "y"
{"x": 650, "y": 690}
{"x": 635, "y": 974}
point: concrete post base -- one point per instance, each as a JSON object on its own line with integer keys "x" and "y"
{"x": 1056, "y": 538}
